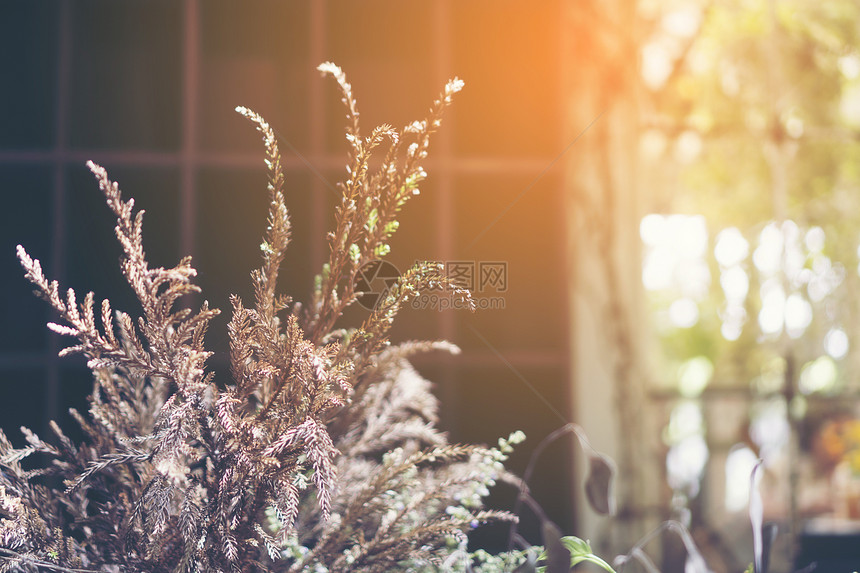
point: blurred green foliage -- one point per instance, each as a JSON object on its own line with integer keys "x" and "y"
{"x": 757, "y": 119}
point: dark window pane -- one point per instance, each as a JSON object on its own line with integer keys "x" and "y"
{"x": 512, "y": 226}
{"x": 93, "y": 252}
{"x": 386, "y": 51}
{"x": 231, "y": 216}
{"x": 28, "y": 58}
{"x": 126, "y": 74}
{"x": 508, "y": 53}
{"x": 22, "y": 403}
{"x": 76, "y": 383}
{"x": 25, "y": 219}
{"x": 254, "y": 54}
{"x": 418, "y": 239}
{"x": 485, "y": 403}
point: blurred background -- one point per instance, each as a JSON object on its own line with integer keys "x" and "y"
{"x": 656, "y": 202}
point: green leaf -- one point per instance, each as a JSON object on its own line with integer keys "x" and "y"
{"x": 557, "y": 554}
{"x": 372, "y": 218}
{"x": 580, "y": 551}
{"x": 390, "y": 227}
{"x": 381, "y": 250}
{"x": 354, "y": 253}
{"x": 576, "y": 545}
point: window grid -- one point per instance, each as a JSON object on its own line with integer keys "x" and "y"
{"x": 189, "y": 159}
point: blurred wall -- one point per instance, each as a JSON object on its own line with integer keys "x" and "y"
{"x": 604, "y": 200}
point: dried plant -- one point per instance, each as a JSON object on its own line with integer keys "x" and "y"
{"x": 321, "y": 453}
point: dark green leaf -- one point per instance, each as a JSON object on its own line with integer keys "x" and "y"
{"x": 557, "y": 555}
{"x": 598, "y": 485}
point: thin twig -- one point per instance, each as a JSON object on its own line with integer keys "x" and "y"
{"x": 9, "y": 554}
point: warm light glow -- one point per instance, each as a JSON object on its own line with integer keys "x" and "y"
{"x": 685, "y": 463}
{"x": 815, "y": 239}
{"x": 769, "y": 252}
{"x": 734, "y": 317}
{"x": 849, "y": 106}
{"x": 657, "y": 270}
{"x": 836, "y": 343}
{"x": 735, "y": 283}
{"x": 688, "y": 146}
{"x": 653, "y": 231}
{"x": 656, "y": 64}
{"x": 683, "y": 22}
{"x": 676, "y": 245}
{"x": 731, "y": 248}
{"x": 739, "y": 466}
{"x": 798, "y": 315}
{"x": 772, "y": 314}
{"x": 694, "y": 376}
{"x": 770, "y": 429}
{"x": 684, "y": 313}
{"x": 686, "y": 420}
{"x": 729, "y": 80}
{"x": 825, "y": 279}
{"x": 820, "y": 375}
{"x": 794, "y": 126}
{"x": 652, "y": 144}
{"x": 849, "y": 65}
